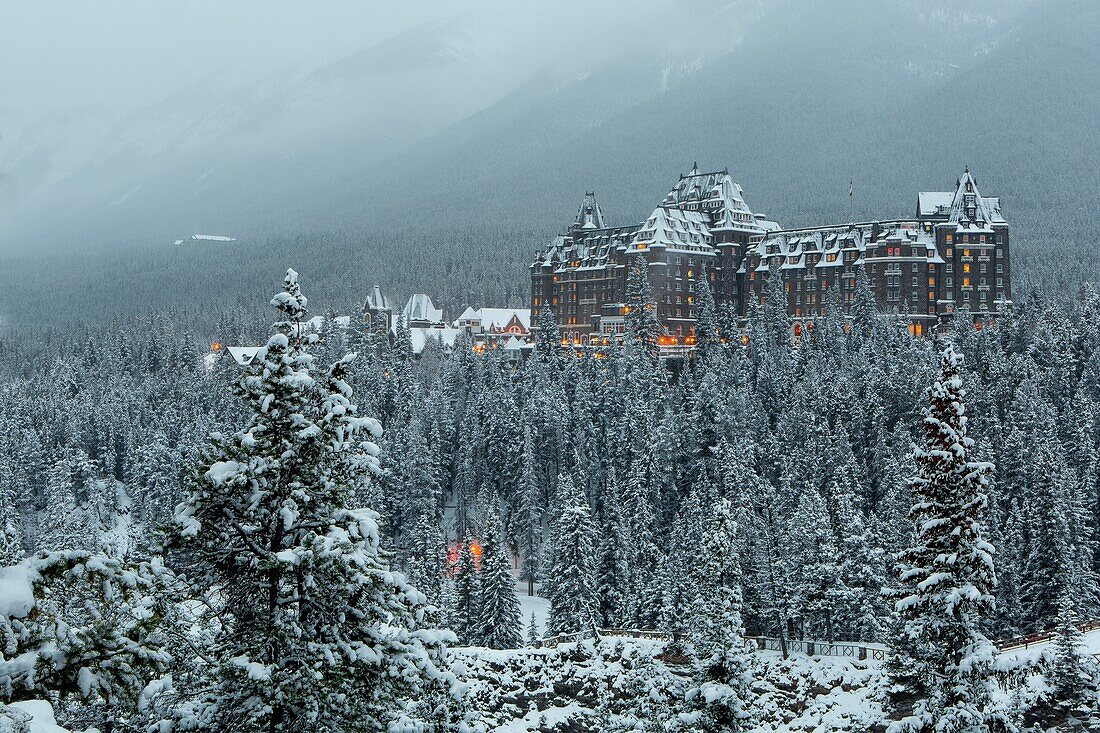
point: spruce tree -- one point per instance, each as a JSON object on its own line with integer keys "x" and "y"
{"x": 1073, "y": 679}
{"x": 315, "y": 631}
{"x": 499, "y": 623}
{"x": 707, "y": 335}
{"x": 718, "y": 643}
{"x": 570, "y": 578}
{"x": 642, "y": 328}
{"x": 465, "y": 612}
{"x": 533, "y": 632}
{"x": 613, "y": 569}
{"x": 948, "y": 578}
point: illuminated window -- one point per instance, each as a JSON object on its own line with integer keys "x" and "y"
{"x": 966, "y": 282}
{"x": 931, "y": 282}
{"x": 948, "y": 240}
{"x": 966, "y": 267}
{"x": 966, "y": 253}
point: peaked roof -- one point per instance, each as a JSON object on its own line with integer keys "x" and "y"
{"x": 377, "y": 301}
{"x": 495, "y": 317}
{"x": 421, "y": 308}
{"x": 590, "y": 216}
{"x": 968, "y": 206}
{"x": 675, "y": 228}
{"x": 243, "y": 355}
{"x": 716, "y": 192}
{"x": 965, "y": 206}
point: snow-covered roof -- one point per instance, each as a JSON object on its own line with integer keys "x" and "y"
{"x": 933, "y": 203}
{"x": 495, "y": 317}
{"x": 243, "y": 355}
{"x": 514, "y": 344}
{"x": 377, "y": 301}
{"x": 674, "y": 228}
{"x": 590, "y": 216}
{"x": 965, "y": 204}
{"x": 714, "y": 192}
{"x": 212, "y": 238}
{"x": 421, "y": 308}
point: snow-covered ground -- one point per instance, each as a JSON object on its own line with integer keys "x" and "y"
{"x": 533, "y": 604}
{"x": 1032, "y": 652}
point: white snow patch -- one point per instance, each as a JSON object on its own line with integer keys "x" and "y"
{"x": 16, "y": 591}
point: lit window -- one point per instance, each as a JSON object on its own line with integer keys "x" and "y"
{"x": 966, "y": 267}
{"x": 966, "y": 282}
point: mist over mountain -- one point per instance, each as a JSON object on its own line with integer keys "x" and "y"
{"x": 487, "y": 125}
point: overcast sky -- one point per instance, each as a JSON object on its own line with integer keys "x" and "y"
{"x": 61, "y": 56}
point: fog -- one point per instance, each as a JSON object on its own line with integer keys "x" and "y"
{"x": 433, "y": 146}
{"x": 102, "y": 101}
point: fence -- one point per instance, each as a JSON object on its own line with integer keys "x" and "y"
{"x": 1023, "y": 642}
{"x": 802, "y": 646}
{"x": 844, "y": 649}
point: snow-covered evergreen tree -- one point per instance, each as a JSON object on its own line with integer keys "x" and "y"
{"x": 717, "y": 629}
{"x": 948, "y": 574}
{"x": 1073, "y": 678}
{"x": 315, "y": 630}
{"x": 499, "y": 620}
{"x": 465, "y": 612}
{"x": 571, "y": 581}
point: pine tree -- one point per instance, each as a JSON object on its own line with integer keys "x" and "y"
{"x": 613, "y": 569}
{"x": 642, "y": 328}
{"x": 499, "y": 623}
{"x": 570, "y": 579}
{"x": 717, "y": 628}
{"x": 533, "y": 633}
{"x": 11, "y": 524}
{"x": 315, "y": 630}
{"x": 707, "y": 335}
{"x": 948, "y": 573}
{"x": 1074, "y": 679}
{"x": 465, "y": 612}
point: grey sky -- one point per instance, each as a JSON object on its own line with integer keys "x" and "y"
{"x": 61, "y": 56}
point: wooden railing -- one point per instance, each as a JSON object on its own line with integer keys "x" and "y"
{"x": 802, "y": 646}
{"x": 844, "y": 649}
{"x": 1023, "y": 642}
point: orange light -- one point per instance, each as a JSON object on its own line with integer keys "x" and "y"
{"x": 216, "y": 346}
{"x": 475, "y": 551}
{"x": 744, "y": 339}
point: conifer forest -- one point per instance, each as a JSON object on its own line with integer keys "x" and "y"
{"x": 320, "y": 412}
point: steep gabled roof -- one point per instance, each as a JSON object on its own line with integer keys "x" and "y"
{"x": 590, "y": 216}
{"x": 377, "y": 301}
{"x": 674, "y": 228}
{"x": 421, "y": 308}
{"x": 968, "y": 206}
